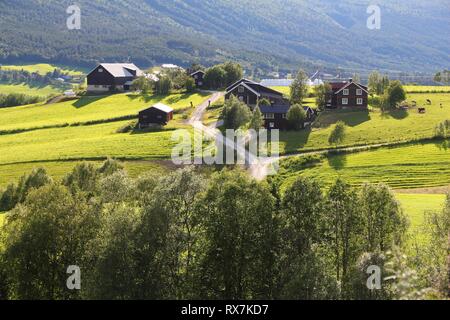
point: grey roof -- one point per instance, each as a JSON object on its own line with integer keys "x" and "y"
{"x": 120, "y": 70}
{"x": 276, "y": 82}
{"x": 162, "y": 107}
{"x": 274, "y": 109}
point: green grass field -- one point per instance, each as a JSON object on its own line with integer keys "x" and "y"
{"x": 416, "y": 206}
{"x": 87, "y": 142}
{"x": 412, "y": 89}
{"x": 371, "y": 127}
{"x": 89, "y": 109}
{"x": 412, "y": 166}
{"x": 58, "y": 148}
{"x": 42, "y": 68}
{"x": 26, "y": 89}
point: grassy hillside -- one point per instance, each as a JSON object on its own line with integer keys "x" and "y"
{"x": 87, "y": 142}
{"x": 42, "y": 68}
{"x": 416, "y": 206}
{"x": 89, "y": 109}
{"x": 26, "y": 89}
{"x": 371, "y": 127}
{"x": 412, "y": 166}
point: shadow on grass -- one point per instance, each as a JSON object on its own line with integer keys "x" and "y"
{"x": 443, "y": 144}
{"x": 152, "y": 130}
{"x": 295, "y": 140}
{"x": 87, "y": 100}
{"x": 338, "y": 162}
{"x": 398, "y": 114}
{"x": 349, "y": 117}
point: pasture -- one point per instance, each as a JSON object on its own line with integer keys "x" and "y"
{"x": 406, "y": 167}
{"x": 28, "y": 90}
{"x": 43, "y": 68}
{"x": 89, "y": 108}
{"x": 87, "y": 142}
{"x": 416, "y": 206}
{"x": 371, "y": 126}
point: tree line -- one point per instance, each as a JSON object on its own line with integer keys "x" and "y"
{"x": 185, "y": 235}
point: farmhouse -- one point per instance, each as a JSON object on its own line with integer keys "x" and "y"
{"x": 251, "y": 93}
{"x": 112, "y": 76}
{"x": 275, "y": 116}
{"x": 348, "y": 94}
{"x": 158, "y": 114}
{"x": 198, "y": 77}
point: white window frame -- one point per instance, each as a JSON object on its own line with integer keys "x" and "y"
{"x": 359, "y": 101}
{"x": 272, "y": 125}
{"x": 346, "y": 92}
{"x": 241, "y": 89}
{"x": 359, "y": 92}
{"x": 269, "y": 116}
{"x": 100, "y": 70}
{"x": 241, "y": 98}
{"x": 284, "y": 115}
{"x": 346, "y": 101}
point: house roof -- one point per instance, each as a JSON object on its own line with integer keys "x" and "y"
{"x": 198, "y": 71}
{"x": 234, "y": 85}
{"x": 275, "y": 109}
{"x": 255, "y": 87}
{"x": 339, "y": 86}
{"x": 161, "y": 107}
{"x": 121, "y": 70}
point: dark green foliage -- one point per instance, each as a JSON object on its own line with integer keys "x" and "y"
{"x": 299, "y": 88}
{"x": 237, "y": 215}
{"x": 163, "y": 86}
{"x": 83, "y": 178}
{"x": 257, "y": 120}
{"x": 321, "y": 92}
{"x": 17, "y": 193}
{"x": 184, "y": 236}
{"x": 395, "y": 94}
{"x": 18, "y": 99}
{"x": 235, "y": 113}
{"x": 296, "y": 117}
{"x": 337, "y": 135}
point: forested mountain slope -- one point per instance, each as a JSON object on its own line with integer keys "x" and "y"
{"x": 262, "y": 33}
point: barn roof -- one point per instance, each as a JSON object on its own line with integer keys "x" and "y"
{"x": 162, "y": 107}
{"x": 120, "y": 70}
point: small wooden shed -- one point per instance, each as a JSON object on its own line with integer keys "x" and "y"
{"x": 158, "y": 114}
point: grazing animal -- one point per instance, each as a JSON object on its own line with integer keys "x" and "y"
{"x": 422, "y": 110}
{"x": 428, "y": 101}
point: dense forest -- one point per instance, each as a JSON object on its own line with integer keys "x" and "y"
{"x": 261, "y": 34}
{"x": 187, "y": 235}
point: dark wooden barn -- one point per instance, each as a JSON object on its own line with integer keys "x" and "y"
{"x": 251, "y": 93}
{"x": 348, "y": 94}
{"x": 112, "y": 76}
{"x": 158, "y": 114}
{"x": 199, "y": 78}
